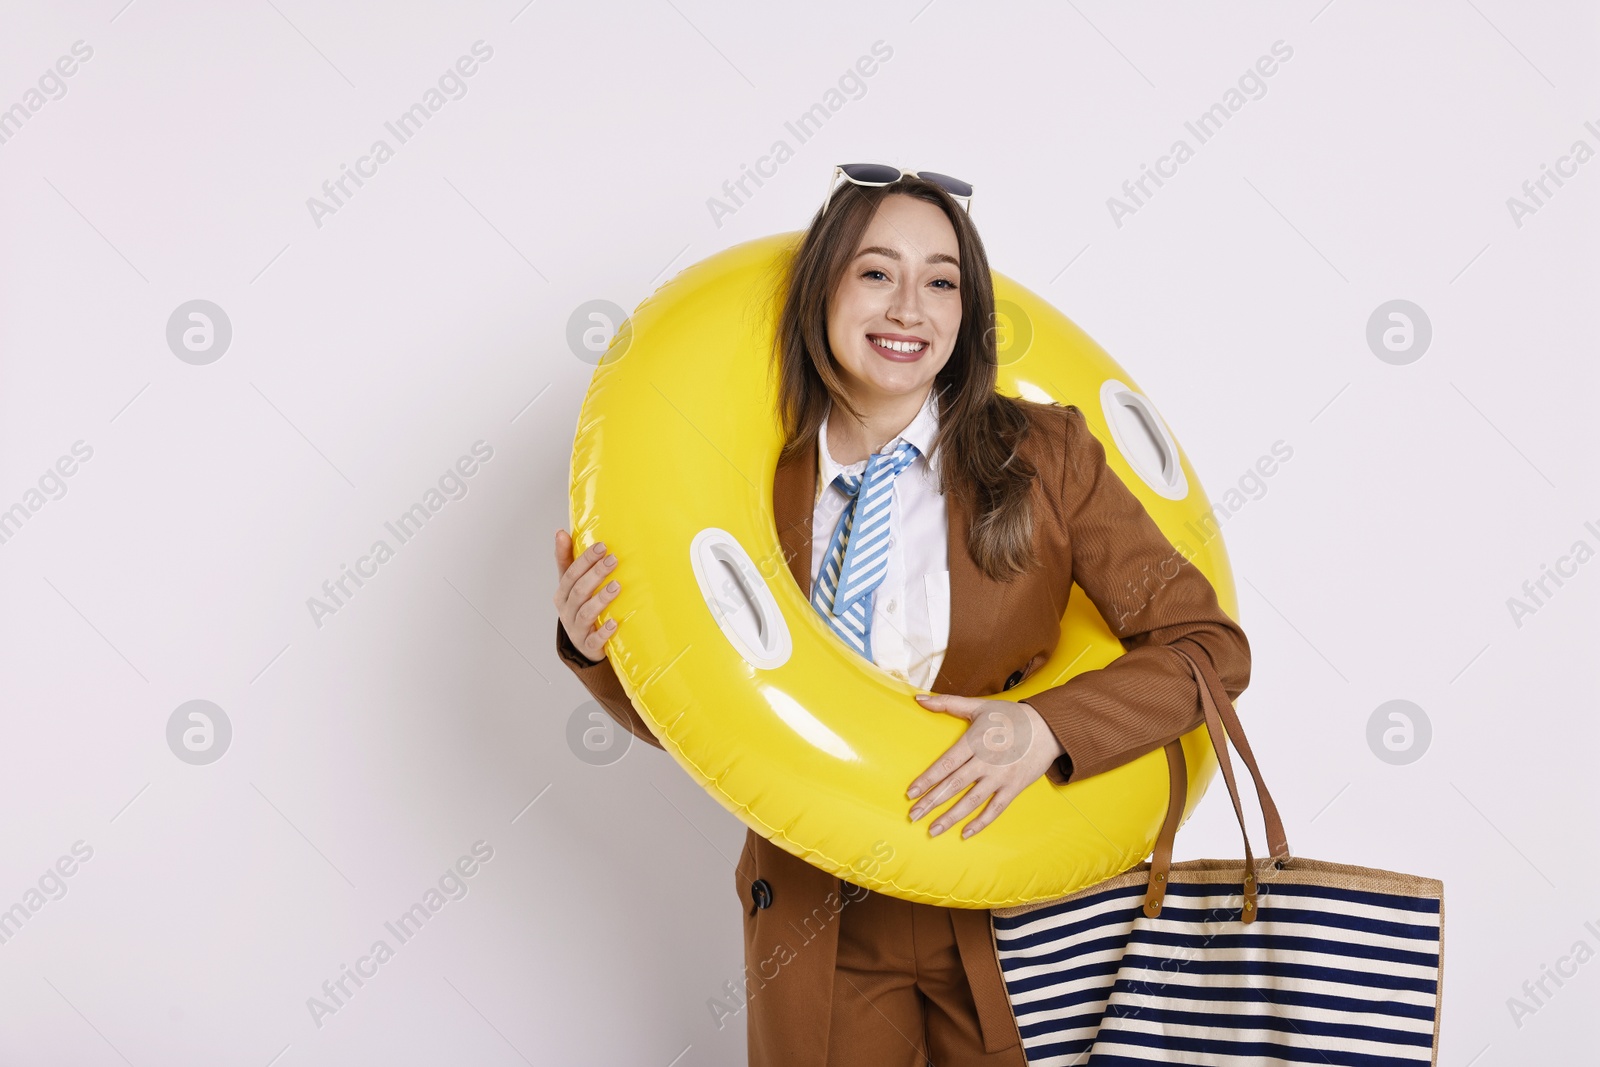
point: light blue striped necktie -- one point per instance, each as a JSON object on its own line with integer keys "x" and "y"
{"x": 858, "y": 554}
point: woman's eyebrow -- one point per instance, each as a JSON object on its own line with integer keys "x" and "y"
{"x": 936, "y": 257}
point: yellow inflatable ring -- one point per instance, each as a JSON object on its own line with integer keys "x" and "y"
{"x": 802, "y": 739}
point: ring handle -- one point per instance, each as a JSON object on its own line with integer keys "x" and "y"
{"x": 739, "y": 599}
{"x": 1142, "y": 437}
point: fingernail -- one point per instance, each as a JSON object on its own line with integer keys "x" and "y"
{"x": 611, "y": 624}
{"x": 922, "y": 696}
{"x": 611, "y": 588}
{"x": 599, "y": 547}
{"x": 936, "y": 831}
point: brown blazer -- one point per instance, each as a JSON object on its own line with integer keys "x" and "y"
{"x": 1090, "y": 530}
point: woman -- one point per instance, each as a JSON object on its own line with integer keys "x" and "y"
{"x": 996, "y": 507}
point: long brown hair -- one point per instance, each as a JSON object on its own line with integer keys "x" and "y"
{"x": 980, "y": 431}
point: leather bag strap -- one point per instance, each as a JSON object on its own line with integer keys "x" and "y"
{"x": 1222, "y": 725}
{"x": 1161, "y": 860}
{"x": 1277, "y": 841}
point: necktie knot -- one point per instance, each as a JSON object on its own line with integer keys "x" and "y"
{"x": 882, "y": 469}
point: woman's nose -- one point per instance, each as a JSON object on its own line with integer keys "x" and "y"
{"x": 905, "y": 307}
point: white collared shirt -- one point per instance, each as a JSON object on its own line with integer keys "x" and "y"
{"x": 911, "y": 609}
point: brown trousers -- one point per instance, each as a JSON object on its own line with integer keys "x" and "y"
{"x": 900, "y": 995}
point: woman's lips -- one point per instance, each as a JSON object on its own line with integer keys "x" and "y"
{"x": 898, "y": 357}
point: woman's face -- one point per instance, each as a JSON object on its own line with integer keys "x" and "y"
{"x": 902, "y": 289}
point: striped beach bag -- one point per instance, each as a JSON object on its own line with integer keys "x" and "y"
{"x": 1213, "y": 962}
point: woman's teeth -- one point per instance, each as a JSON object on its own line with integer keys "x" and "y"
{"x": 899, "y": 346}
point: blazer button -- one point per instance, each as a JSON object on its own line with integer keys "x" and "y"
{"x": 1016, "y": 677}
{"x": 761, "y": 893}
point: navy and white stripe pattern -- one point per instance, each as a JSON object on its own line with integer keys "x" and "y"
{"x": 1325, "y": 975}
{"x": 858, "y": 554}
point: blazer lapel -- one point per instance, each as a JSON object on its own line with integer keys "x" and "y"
{"x": 973, "y": 604}
{"x": 794, "y": 494}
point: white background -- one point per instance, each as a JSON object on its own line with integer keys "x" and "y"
{"x": 431, "y": 311}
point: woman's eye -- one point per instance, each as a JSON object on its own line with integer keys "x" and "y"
{"x": 875, "y": 274}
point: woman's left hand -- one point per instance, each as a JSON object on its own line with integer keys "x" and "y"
{"x": 1005, "y": 750}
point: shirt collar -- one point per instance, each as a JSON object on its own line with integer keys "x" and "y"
{"x": 920, "y": 432}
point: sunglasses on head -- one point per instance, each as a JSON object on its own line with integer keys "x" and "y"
{"x": 875, "y": 175}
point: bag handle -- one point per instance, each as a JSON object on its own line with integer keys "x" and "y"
{"x": 1222, "y": 725}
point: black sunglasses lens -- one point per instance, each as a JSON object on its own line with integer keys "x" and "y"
{"x": 953, "y": 186}
{"x": 871, "y": 172}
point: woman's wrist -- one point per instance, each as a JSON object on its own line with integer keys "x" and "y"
{"x": 570, "y": 650}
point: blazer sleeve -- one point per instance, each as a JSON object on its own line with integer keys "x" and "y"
{"x": 600, "y": 678}
{"x": 1152, "y": 598}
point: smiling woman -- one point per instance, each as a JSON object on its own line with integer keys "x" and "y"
{"x": 903, "y": 459}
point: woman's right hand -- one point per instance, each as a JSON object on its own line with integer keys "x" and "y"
{"x": 576, "y": 598}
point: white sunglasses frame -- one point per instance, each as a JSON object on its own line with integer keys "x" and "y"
{"x": 833, "y": 187}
